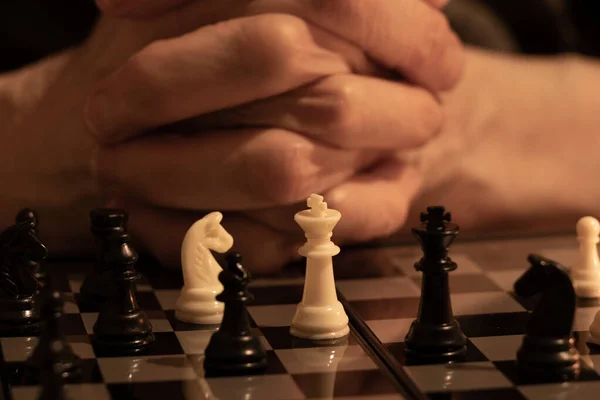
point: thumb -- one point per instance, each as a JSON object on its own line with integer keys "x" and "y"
{"x": 137, "y": 8}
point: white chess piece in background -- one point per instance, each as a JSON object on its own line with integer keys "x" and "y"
{"x": 319, "y": 315}
{"x": 197, "y": 301}
{"x": 586, "y": 273}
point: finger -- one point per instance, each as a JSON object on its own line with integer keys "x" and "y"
{"x": 346, "y": 111}
{"x": 437, "y": 3}
{"x": 160, "y": 232}
{"x": 405, "y": 35}
{"x": 137, "y": 8}
{"x": 227, "y": 170}
{"x": 373, "y": 204}
{"x": 216, "y": 67}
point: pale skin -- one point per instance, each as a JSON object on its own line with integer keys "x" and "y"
{"x": 288, "y": 103}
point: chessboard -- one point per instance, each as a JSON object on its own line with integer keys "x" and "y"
{"x": 380, "y": 289}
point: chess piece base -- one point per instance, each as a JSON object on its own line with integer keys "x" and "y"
{"x": 228, "y": 355}
{"x": 548, "y": 359}
{"x": 131, "y": 331}
{"x": 19, "y": 316}
{"x": 320, "y": 322}
{"x": 435, "y": 342}
{"x": 199, "y": 306}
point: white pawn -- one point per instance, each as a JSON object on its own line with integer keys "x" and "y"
{"x": 319, "y": 315}
{"x": 586, "y": 273}
{"x": 197, "y": 303}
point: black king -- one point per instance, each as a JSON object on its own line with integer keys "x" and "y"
{"x": 435, "y": 335}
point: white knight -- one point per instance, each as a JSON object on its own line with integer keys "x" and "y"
{"x": 197, "y": 301}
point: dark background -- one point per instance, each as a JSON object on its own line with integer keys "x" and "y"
{"x": 32, "y": 29}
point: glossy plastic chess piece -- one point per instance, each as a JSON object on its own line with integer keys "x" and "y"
{"x": 97, "y": 286}
{"x": 435, "y": 335}
{"x": 548, "y": 350}
{"x": 18, "y": 301}
{"x": 320, "y": 315}
{"x": 30, "y": 217}
{"x": 121, "y": 325}
{"x": 233, "y": 349}
{"x": 197, "y": 302}
{"x": 586, "y": 272}
{"x": 66, "y": 363}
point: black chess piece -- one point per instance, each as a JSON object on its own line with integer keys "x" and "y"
{"x": 233, "y": 349}
{"x": 97, "y": 287}
{"x": 30, "y": 217}
{"x": 66, "y": 363}
{"x": 121, "y": 325}
{"x": 19, "y": 246}
{"x": 435, "y": 336}
{"x": 548, "y": 350}
{"x": 50, "y": 378}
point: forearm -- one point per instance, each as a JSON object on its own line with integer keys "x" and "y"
{"x": 521, "y": 151}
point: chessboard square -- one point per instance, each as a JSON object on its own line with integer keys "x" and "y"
{"x": 459, "y": 376}
{"x": 160, "y": 323}
{"x": 465, "y": 264}
{"x": 395, "y": 396}
{"x": 509, "y": 369}
{"x": 144, "y": 287}
{"x": 377, "y": 309}
{"x": 274, "y": 315}
{"x": 194, "y": 342}
{"x": 17, "y": 348}
{"x": 167, "y": 298}
{"x": 567, "y": 256}
{"x": 165, "y": 343}
{"x": 595, "y": 359}
{"x": 70, "y": 304}
{"x": 73, "y": 324}
{"x": 505, "y": 279}
{"x": 271, "y": 282}
{"x": 468, "y": 283}
{"x": 484, "y": 303}
{"x": 177, "y": 325}
{"x": 487, "y": 394}
{"x": 75, "y": 281}
{"x": 81, "y": 346}
{"x": 378, "y": 288}
{"x": 499, "y": 324}
{"x": 169, "y": 367}
{"x": 255, "y": 387}
{"x": 88, "y": 391}
{"x": 498, "y": 348}
{"x": 276, "y": 295}
{"x": 279, "y": 337}
{"x": 22, "y": 374}
{"x": 390, "y": 330}
{"x": 174, "y": 390}
{"x": 325, "y": 359}
{"x": 561, "y": 391}
{"x": 147, "y": 301}
{"x": 345, "y": 383}
{"x": 584, "y": 318}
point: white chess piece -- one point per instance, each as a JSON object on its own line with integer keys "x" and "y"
{"x": 586, "y": 273}
{"x": 319, "y": 315}
{"x": 197, "y": 301}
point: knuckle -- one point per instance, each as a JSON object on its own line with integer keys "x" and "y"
{"x": 430, "y": 121}
{"x": 340, "y": 115}
{"x": 277, "y": 42}
{"x": 429, "y": 47}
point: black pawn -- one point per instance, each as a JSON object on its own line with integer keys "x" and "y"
{"x": 52, "y": 343}
{"x": 105, "y": 222}
{"x": 233, "y": 350}
{"x": 548, "y": 352}
{"x": 435, "y": 336}
{"x": 29, "y": 216}
{"x": 121, "y": 325}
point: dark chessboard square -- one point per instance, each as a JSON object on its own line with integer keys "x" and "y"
{"x": 165, "y": 343}
{"x": 173, "y": 390}
{"x": 59, "y": 282}
{"x": 279, "y": 338}
{"x": 488, "y": 394}
{"x": 395, "y": 308}
{"x": 509, "y": 369}
{"x": 499, "y": 324}
{"x": 467, "y": 283}
{"x": 328, "y": 385}
{"x": 178, "y": 325}
{"x": 276, "y": 295}
{"x": 397, "y": 350}
{"x": 146, "y": 301}
{"x": 73, "y": 325}
{"x": 20, "y": 374}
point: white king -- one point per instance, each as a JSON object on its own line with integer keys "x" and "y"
{"x": 319, "y": 315}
